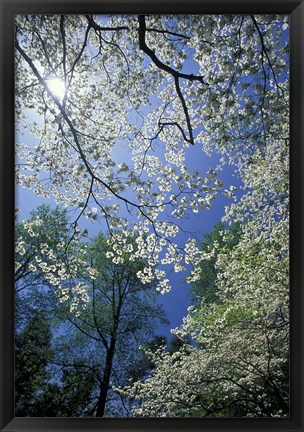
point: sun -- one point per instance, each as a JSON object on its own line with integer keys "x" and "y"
{"x": 57, "y": 87}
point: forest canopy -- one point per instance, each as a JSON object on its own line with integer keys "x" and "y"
{"x": 131, "y": 130}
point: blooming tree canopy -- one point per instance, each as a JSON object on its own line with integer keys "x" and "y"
{"x": 238, "y": 365}
{"x": 116, "y": 106}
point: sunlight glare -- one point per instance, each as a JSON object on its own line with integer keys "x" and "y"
{"x": 57, "y": 87}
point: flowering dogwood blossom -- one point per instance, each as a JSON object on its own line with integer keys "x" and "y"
{"x": 41, "y": 257}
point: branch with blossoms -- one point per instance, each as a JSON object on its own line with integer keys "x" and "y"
{"x": 174, "y": 73}
{"x": 75, "y": 132}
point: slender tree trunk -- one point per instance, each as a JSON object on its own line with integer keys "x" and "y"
{"x": 104, "y": 387}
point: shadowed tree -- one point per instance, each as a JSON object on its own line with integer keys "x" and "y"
{"x": 33, "y": 354}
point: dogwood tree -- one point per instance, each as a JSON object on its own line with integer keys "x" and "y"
{"x": 116, "y": 106}
{"x": 239, "y": 363}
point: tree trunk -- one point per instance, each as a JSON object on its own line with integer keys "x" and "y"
{"x": 104, "y": 387}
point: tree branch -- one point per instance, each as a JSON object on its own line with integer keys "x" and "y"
{"x": 144, "y": 47}
{"x": 265, "y": 52}
{"x": 93, "y": 24}
{"x": 174, "y": 73}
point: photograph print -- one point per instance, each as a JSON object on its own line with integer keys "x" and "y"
{"x": 152, "y": 215}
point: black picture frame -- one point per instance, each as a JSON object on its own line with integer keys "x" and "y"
{"x": 7, "y": 421}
